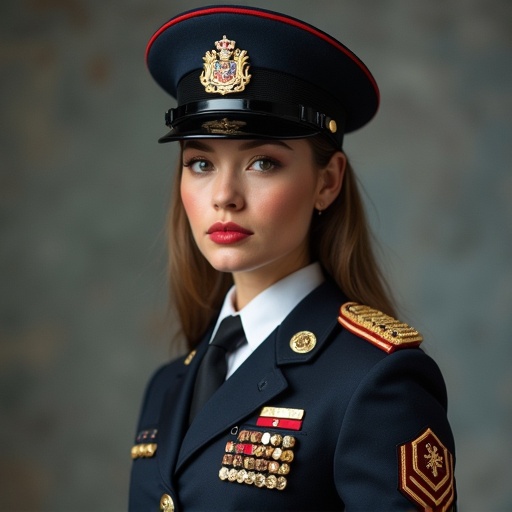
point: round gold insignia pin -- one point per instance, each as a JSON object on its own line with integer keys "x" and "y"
{"x": 303, "y": 342}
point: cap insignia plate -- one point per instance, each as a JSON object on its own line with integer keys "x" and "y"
{"x": 225, "y": 70}
{"x": 224, "y": 126}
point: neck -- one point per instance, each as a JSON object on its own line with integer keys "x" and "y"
{"x": 250, "y": 284}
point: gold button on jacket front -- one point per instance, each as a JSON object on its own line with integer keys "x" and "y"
{"x": 166, "y": 503}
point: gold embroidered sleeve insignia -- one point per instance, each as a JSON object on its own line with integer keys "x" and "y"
{"x": 380, "y": 329}
{"x": 426, "y": 472}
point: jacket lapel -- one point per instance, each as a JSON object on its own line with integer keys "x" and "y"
{"x": 174, "y": 416}
{"x": 252, "y": 385}
{"x": 317, "y": 314}
{"x": 259, "y": 379}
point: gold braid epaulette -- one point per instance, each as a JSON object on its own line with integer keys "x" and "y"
{"x": 382, "y": 330}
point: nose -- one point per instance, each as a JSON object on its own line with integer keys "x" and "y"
{"x": 227, "y": 191}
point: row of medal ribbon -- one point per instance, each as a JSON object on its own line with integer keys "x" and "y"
{"x": 269, "y": 454}
{"x": 250, "y": 477}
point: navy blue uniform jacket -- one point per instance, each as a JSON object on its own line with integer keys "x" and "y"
{"x": 360, "y": 404}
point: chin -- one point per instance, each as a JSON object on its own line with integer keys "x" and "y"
{"x": 230, "y": 269}
{"x": 231, "y": 265}
{"x": 225, "y": 265}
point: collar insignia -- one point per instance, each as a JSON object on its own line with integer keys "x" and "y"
{"x": 303, "y": 342}
{"x": 189, "y": 358}
{"x": 226, "y": 69}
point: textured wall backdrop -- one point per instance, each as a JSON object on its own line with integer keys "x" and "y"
{"x": 83, "y": 195}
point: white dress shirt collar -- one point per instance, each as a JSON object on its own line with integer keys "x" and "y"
{"x": 268, "y": 309}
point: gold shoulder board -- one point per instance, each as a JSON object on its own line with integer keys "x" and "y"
{"x": 380, "y": 329}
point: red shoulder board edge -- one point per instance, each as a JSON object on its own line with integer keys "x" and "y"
{"x": 426, "y": 472}
{"x": 380, "y": 329}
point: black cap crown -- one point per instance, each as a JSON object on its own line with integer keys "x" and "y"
{"x": 243, "y": 72}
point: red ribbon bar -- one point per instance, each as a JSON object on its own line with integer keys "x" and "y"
{"x": 248, "y": 449}
{"x": 279, "y": 423}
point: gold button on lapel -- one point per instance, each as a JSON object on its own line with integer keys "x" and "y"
{"x": 303, "y": 342}
{"x": 166, "y": 503}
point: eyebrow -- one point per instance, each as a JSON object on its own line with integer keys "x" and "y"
{"x": 250, "y": 144}
{"x": 196, "y": 144}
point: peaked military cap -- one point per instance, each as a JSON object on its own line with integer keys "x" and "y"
{"x": 244, "y": 72}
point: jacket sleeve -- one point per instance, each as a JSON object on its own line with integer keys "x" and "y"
{"x": 382, "y": 444}
{"x": 152, "y": 399}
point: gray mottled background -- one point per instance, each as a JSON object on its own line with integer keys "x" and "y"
{"x": 83, "y": 196}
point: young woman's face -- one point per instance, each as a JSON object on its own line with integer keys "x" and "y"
{"x": 250, "y": 203}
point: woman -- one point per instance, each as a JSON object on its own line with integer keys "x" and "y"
{"x": 301, "y": 391}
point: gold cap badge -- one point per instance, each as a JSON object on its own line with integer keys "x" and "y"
{"x": 226, "y": 69}
{"x": 303, "y": 342}
{"x": 224, "y": 126}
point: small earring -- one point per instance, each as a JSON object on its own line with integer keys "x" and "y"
{"x": 319, "y": 212}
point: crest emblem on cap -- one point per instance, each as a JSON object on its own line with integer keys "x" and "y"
{"x": 225, "y": 70}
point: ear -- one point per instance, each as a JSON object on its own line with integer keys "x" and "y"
{"x": 330, "y": 181}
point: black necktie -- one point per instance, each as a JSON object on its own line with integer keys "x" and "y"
{"x": 213, "y": 368}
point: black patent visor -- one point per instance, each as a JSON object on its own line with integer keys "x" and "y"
{"x": 248, "y": 118}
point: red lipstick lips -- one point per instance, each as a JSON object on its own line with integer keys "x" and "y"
{"x": 227, "y": 233}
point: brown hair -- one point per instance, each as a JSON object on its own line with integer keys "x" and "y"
{"x": 340, "y": 241}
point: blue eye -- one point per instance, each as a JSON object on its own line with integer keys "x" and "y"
{"x": 198, "y": 165}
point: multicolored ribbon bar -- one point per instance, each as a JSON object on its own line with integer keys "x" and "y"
{"x": 279, "y": 423}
